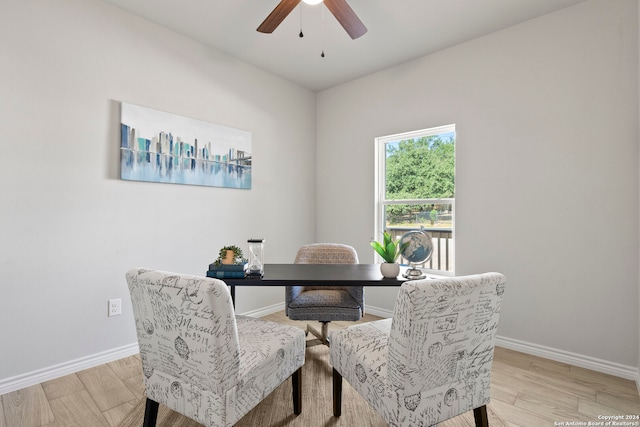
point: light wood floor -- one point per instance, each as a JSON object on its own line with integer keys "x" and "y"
{"x": 526, "y": 391}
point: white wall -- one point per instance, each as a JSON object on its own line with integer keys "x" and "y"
{"x": 547, "y": 121}
{"x": 546, "y": 114}
{"x": 70, "y": 228}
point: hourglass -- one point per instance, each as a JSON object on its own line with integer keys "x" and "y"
{"x": 256, "y": 256}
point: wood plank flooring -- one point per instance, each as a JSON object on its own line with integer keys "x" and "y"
{"x": 526, "y": 391}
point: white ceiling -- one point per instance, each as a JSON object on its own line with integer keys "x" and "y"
{"x": 399, "y": 30}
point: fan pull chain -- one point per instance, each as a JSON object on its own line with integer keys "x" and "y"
{"x": 322, "y": 32}
{"x": 301, "y": 35}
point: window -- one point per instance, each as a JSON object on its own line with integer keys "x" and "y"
{"x": 415, "y": 186}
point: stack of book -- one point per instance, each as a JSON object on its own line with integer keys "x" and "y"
{"x": 226, "y": 271}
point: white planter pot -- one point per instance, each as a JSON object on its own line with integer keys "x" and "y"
{"x": 390, "y": 270}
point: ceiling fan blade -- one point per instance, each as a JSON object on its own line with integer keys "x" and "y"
{"x": 346, "y": 17}
{"x": 278, "y": 14}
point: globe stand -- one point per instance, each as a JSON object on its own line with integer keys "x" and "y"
{"x": 413, "y": 273}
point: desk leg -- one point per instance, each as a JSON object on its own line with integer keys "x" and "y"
{"x": 233, "y": 295}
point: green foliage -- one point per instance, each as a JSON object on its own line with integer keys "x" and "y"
{"x": 388, "y": 249}
{"x": 420, "y": 168}
{"x": 433, "y": 216}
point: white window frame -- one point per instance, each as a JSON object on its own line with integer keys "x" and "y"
{"x": 380, "y": 186}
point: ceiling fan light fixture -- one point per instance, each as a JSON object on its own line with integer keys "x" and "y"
{"x": 338, "y": 8}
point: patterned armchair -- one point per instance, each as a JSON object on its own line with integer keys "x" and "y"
{"x": 201, "y": 360}
{"x": 324, "y": 303}
{"x": 432, "y": 360}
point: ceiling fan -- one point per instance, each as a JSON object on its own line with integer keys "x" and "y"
{"x": 339, "y": 8}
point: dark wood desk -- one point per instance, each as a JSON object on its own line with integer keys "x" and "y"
{"x": 316, "y": 274}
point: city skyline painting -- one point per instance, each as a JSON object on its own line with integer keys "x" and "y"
{"x": 157, "y": 146}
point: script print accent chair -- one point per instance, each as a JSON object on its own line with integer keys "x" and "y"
{"x": 199, "y": 358}
{"x": 432, "y": 360}
{"x": 324, "y": 303}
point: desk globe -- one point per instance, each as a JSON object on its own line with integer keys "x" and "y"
{"x": 416, "y": 247}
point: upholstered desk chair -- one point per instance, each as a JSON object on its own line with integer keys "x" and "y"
{"x": 199, "y": 358}
{"x": 323, "y": 303}
{"x": 432, "y": 360}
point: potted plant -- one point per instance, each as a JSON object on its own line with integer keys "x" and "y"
{"x": 389, "y": 250}
{"x": 230, "y": 255}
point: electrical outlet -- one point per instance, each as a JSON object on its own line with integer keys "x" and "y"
{"x": 115, "y": 307}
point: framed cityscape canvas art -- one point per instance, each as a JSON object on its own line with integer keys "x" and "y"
{"x": 156, "y": 146}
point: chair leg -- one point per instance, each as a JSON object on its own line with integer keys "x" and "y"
{"x": 337, "y": 393}
{"x": 150, "y": 413}
{"x": 324, "y": 333}
{"x": 480, "y": 415}
{"x": 320, "y": 335}
{"x": 296, "y": 383}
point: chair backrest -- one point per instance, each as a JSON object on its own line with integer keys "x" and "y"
{"x": 326, "y": 253}
{"x": 441, "y": 345}
{"x": 186, "y": 329}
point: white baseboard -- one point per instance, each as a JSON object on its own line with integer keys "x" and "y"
{"x": 28, "y": 379}
{"x": 380, "y": 312}
{"x": 36, "y": 377}
{"x": 52, "y": 372}
{"x": 574, "y": 359}
{"x": 265, "y": 310}
{"x": 582, "y": 361}
{"x": 280, "y": 307}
